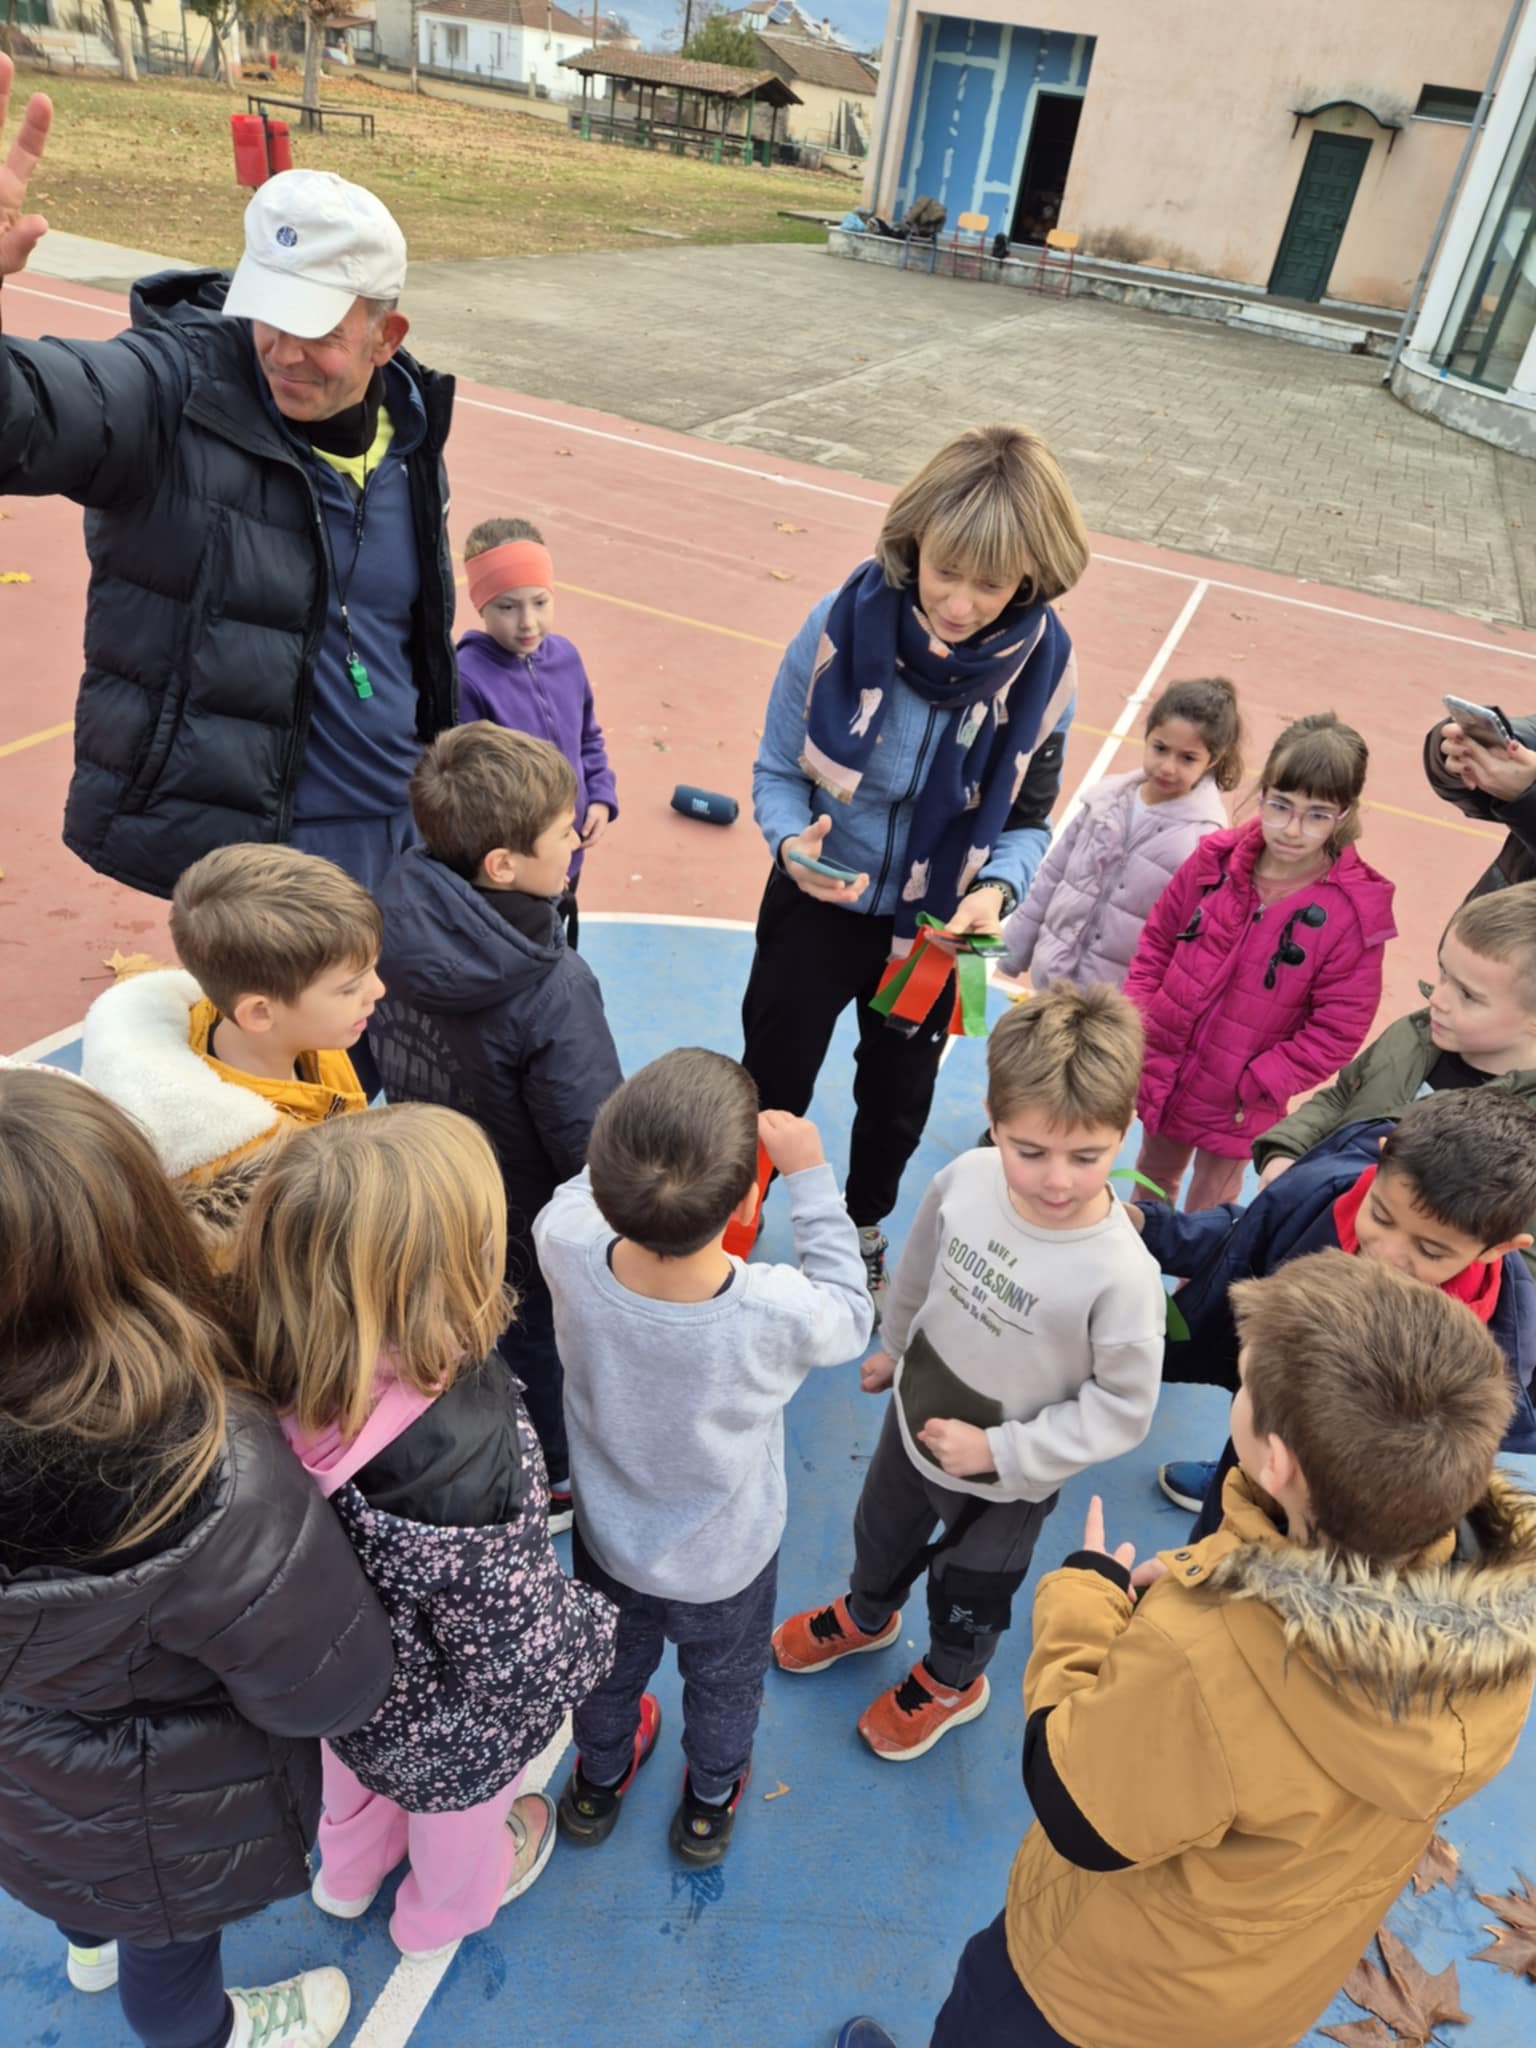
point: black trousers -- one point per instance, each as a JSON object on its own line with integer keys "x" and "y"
{"x": 171, "y": 1997}
{"x": 813, "y": 960}
{"x": 528, "y": 1346}
{"x": 988, "y": 2006}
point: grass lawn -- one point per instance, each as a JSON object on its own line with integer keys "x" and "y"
{"x": 151, "y": 165}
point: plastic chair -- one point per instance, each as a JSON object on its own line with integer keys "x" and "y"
{"x": 968, "y": 244}
{"x": 1056, "y": 259}
{"x": 911, "y": 242}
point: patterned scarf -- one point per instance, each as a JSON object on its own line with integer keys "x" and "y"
{"x": 1003, "y": 691}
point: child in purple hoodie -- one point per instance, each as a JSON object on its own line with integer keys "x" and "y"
{"x": 521, "y": 674}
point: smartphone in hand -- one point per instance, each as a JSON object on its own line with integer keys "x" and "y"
{"x": 1484, "y": 724}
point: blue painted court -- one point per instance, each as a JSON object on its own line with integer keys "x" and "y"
{"x": 854, "y": 1890}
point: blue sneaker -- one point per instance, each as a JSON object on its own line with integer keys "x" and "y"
{"x": 1187, "y": 1482}
{"x": 863, "y": 2034}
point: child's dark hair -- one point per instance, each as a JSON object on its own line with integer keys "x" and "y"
{"x": 1470, "y": 1156}
{"x": 1390, "y": 1396}
{"x": 482, "y": 786}
{"x": 1321, "y": 757}
{"x": 1209, "y": 704}
{"x": 496, "y": 533}
{"x": 674, "y": 1150}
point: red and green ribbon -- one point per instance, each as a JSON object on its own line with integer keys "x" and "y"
{"x": 911, "y": 987}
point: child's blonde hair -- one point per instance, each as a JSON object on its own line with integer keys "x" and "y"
{"x": 1321, "y": 757}
{"x": 497, "y": 533}
{"x": 369, "y": 1237}
{"x": 1209, "y": 704}
{"x": 269, "y": 921}
{"x": 1502, "y": 926}
{"x": 1072, "y": 1054}
{"x": 994, "y": 499}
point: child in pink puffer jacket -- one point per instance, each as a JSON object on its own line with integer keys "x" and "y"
{"x": 1259, "y": 971}
{"x": 1108, "y": 865}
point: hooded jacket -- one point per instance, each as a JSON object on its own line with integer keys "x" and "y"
{"x": 1516, "y": 861}
{"x": 1285, "y": 1221}
{"x": 161, "y": 1776}
{"x": 1095, "y": 889}
{"x": 493, "y": 1643}
{"x": 1234, "y": 1026}
{"x": 1234, "y": 1779}
{"x": 209, "y": 575}
{"x": 493, "y": 1015}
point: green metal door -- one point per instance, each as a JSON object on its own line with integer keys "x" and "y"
{"x": 1330, "y": 178}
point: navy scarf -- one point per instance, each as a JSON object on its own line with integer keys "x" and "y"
{"x": 997, "y": 689}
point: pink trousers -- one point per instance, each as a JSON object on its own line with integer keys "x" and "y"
{"x": 461, "y": 1863}
{"x": 1215, "y": 1180}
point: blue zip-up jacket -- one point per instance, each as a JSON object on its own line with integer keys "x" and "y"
{"x": 1290, "y": 1218}
{"x": 870, "y": 834}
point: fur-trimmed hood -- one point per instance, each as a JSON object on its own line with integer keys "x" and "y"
{"x": 1411, "y": 1649}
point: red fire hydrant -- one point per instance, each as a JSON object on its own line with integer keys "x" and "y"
{"x": 262, "y": 148}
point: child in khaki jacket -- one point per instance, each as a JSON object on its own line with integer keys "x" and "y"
{"x": 1234, "y": 1778}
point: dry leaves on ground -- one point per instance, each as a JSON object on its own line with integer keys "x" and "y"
{"x": 1514, "y": 1944}
{"x": 125, "y": 965}
{"x": 1408, "y": 2000}
{"x": 1438, "y": 1865}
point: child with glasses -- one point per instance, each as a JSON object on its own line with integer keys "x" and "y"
{"x": 1259, "y": 971}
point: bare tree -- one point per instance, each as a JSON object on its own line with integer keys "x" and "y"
{"x": 121, "y": 43}
{"x": 316, "y": 14}
{"x": 415, "y": 45}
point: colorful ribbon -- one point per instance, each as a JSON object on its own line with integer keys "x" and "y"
{"x": 911, "y": 988}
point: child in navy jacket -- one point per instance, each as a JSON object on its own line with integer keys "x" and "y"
{"x": 1443, "y": 1195}
{"x": 488, "y": 1010}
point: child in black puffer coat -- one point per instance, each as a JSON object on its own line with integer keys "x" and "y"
{"x": 369, "y": 1284}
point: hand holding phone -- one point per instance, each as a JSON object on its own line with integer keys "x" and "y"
{"x": 1484, "y": 724}
{"x": 828, "y": 868}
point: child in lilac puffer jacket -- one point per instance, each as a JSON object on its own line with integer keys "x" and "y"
{"x": 1109, "y": 863}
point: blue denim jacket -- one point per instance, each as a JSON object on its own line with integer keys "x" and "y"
{"x": 870, "y": 834}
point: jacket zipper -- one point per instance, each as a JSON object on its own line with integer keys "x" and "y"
{"x": 911, "y": 791}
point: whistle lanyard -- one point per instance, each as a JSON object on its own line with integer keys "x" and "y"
{"x": 357, "y": 671}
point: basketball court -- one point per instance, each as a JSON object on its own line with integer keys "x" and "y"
{"x": 683, "y": 569}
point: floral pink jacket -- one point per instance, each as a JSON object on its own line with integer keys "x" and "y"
{"x": 1245, "y": 1006}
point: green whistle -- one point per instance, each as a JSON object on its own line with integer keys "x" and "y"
{"x": 359, "y": 675}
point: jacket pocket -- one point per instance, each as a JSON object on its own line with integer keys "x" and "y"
{"x": 930, "y": 1388}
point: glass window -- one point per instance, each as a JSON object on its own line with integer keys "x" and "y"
{"x": 1448, "y": 103}
{"x": 1502, "y": 316}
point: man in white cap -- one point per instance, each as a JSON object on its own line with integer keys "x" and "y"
{"x": 268, "y": 636}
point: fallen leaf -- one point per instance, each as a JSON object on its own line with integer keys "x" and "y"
{"x": 786, "y": 526}
{"x": 1514, "y": 1944}
{"x": 660, "y": 746}
{"x": 1438, "y": 1865}
{"x": 1361, "y": 2034}
{"x": 14, "y": 576}
{"x": 565, "y": 451}
{"x": 125, "y": 965}
{"x": 1408, "y": 1999}
{"x": 777, "y": 1793}
{"x": 778, "y": 575}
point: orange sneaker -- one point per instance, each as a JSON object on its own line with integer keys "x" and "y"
{"x": 909, "y": 1719}
{"x": 818, "y": 1637}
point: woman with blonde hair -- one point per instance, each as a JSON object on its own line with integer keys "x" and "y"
{"x": 368, "y": 1285}
{"x": 178, "y": 1617}
{"x": 910, "y": 759}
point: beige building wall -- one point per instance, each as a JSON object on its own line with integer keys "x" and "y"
{"x": 819, "y": 113}
{"x": 1185, "y": 157}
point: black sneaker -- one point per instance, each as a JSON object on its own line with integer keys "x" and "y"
{"x": 701, "y": 1833}
{"x": 873, "y": 1246}
{"x": 588, "y": 1813}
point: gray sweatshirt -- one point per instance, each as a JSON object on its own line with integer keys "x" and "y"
{"x": 675, "y": 1410}
{"x": 1050, "y": 1340}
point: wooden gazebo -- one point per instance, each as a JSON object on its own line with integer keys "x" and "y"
{"x": 713, "y": 89}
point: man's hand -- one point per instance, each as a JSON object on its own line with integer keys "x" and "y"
{"x": 822, "y": 887}
{"x": 877, "y": 1372}
{"x": 960, "y": 1447}
{"x": 1278, "y": 1165}
{"x": 792, "y": 1142}
{"x": 1093, "y": 1536}
{"x": 594, "y": 824}
{"x": 981, "y": 911}
{"x": 1504, "y": 772}
{"x": 20, "y": 232}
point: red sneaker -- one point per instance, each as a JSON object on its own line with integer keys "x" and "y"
{"x": 909, "y": 1719}
{"x": 818, "y": 1637}
{"x": 588, "y": 1813}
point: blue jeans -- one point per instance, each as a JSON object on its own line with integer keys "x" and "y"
{"x": 988, "y": 2006}
{"x": 171, "y": 1997}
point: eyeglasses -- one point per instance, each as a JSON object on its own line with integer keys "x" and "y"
{"x": 1313, "y": 824}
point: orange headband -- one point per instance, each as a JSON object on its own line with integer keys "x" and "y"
{"x": 516, "y": 565}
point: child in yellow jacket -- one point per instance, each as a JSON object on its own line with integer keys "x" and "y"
{"x": 1234, "y": 1778}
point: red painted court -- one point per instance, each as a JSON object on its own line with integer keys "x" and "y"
{"x": 684, "y": 566}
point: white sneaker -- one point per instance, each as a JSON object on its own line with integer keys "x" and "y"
{"x": 340, "y": 1909}
{"x": 92, "y": 1969}
{"x": 307, "y": 2011}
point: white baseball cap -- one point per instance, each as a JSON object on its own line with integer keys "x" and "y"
{"x": 313, "y": 244}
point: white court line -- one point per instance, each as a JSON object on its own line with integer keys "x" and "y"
{"x": 796, "y": 483}
{"x": 43, "y": 1046}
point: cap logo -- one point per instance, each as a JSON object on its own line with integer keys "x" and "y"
{"x": 287, "y": 238}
